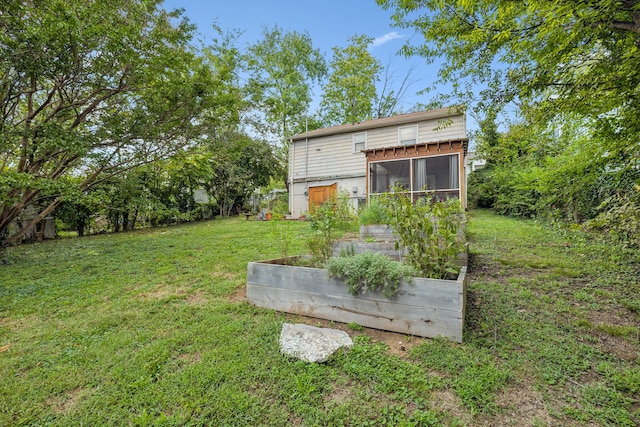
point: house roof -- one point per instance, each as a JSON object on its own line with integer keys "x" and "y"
{"x": 440, "y": 113}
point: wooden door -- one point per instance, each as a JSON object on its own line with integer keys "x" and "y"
{"x": 319, "y": 195}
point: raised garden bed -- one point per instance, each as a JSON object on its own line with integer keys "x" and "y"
{"x": 424, "y": 307}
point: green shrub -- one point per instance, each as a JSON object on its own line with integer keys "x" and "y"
{"x": 346, "y": 219}
{"x": 370, "y": 271}
{"x": 430, "y": 231}
{"x": 480, "y": 189}
{"x": 328, "y": 221}
{"x": 323, "y": 232}
{"x": 374, "y": 213}
{"x": 620, "y": 217}
{"x": 282, "y": 234}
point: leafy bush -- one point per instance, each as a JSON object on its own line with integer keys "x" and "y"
{"x": 346, "y": 219}
{"x": 374, "y": 213}
{"x": 480, "y": 189}
{"x": 323, "y": 232}
{"x": 620, "y": 216}
{"x": 282, "y": 234}
{"x": 327, "y": 220}
{"x": 370, "y": 271}
{"x": 429, "y": 231}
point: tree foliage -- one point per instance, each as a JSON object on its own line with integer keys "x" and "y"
{"x": 350, "y": 92}
{"x": 238, "y": 165}
{"x": 585, "y": 54}
{"x": 90, "y": 89}
{"x": 283, "y": 66}
{"x": 573, "y": 69}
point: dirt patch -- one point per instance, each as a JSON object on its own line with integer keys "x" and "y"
{"x": 68, "y": 401}
{"x": 340, "y": 394}
{"x": 617, "y": 317}
{"x": 520, "y": 405}
{"x": 447, "y": 402}
{"x": 161, "y": 293}
{"x": 618, "y": 347}
{"x": 189, "y": 358}
{"x": 398, "y": 344}
{"x": 198, "y": 298}
{"x": 19, "y": 324}
{"x": 239, "y": 295}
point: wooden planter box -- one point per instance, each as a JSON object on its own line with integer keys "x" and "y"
{"x": 380, "y": 232}
{"x": 426, "y": 307}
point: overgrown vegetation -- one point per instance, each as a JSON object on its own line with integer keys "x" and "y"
{"x": 373, "y": 213}
{"x": 570, "y": 147}
{"x": 531, "y": 172}
{"x": 431, "y": 232}
{"x": 328, "y": 221}
{"x": 282, "y": 235}
{"x": 370, "y": 271}
{"x": 162, "y": 130}
{"x": 150, "y": 328}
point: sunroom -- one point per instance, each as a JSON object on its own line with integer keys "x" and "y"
{"x": 433, "y": 170}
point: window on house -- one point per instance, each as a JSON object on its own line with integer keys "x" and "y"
{"x": 436, "y": 176}
{"x": 408, "y": 135}
{"x": 359, "y": 142}
{"x": 385, "y": 175}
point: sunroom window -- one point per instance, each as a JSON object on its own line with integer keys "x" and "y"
{"x": 433, "y": 176}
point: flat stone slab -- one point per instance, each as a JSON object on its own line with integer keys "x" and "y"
{"x": 310, "y": 343}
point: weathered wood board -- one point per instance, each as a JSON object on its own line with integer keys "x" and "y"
{"x": 423, "y": 307}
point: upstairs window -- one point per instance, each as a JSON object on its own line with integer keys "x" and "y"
{"x": 359, "y": 142}
{"x": 408, "y": 135}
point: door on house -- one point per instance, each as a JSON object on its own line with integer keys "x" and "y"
{"x": 321, "y": 194}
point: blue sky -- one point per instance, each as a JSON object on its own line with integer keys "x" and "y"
{"x": 328, "y": 22}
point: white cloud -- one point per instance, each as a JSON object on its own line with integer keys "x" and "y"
{"x": 379, "y": 41}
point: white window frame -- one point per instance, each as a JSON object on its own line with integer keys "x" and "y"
{"x": 412, "y": 141}
{"x": 354, "y": 142}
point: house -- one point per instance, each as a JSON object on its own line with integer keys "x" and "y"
{"x": 424, "y": 152}
{"x": 474, "y": 163}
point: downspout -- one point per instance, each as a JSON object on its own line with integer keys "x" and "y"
{"x": 291, "y": 166}
{"x": 306, "y": 153}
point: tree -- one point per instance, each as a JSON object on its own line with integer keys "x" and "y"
{"x": 283, "y": 67}
{"x": 577, "y": 56}
{"x": 239, "y": 165}
{"x": 90, "y": 89}
{"x": 391, "y": 93}
{"x": 350, "y": 92}
{"x": 565, "y": 61}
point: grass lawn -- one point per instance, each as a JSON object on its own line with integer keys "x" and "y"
{"x": 151, "y": 328}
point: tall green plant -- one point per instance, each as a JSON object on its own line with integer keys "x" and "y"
{"x": 323, "y": 232}
{"x": 374, "y": 213}
{"x": 282, "y": 234}
{"x": 328, "y": 221}
{"x": 429, "y": 231}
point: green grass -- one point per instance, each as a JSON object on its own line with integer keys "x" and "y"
{"x": 150, "y": 328}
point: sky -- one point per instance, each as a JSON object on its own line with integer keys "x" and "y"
{"x": 329, "y": 23}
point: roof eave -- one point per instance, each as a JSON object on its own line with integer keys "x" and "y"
{"x": 440, "y": 113}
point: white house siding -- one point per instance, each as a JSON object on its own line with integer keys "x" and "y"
{"x": 329, "y": 158}
{"x": 299, "y": 201}
{"x": 429, "y": 130}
